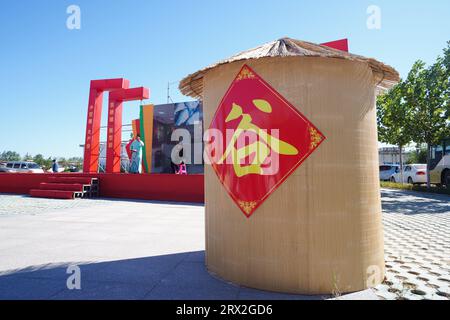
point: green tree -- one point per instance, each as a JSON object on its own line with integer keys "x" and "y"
{"x": 27, "y": 157}
{"x": 426, "y": 94}
{"x": 417, "y": 156}
{"x": 62, "y": 162}
{"x": 39, "y": 159}
{"x": 48, "y": 163}
{"x": 76, "y": 160}
{"x": 393, "y": 119}
{"x": 446, "y": 65}
{"x": 9, "y": 156}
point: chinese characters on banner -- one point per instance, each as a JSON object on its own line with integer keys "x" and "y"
{"x": 256, "y": 140}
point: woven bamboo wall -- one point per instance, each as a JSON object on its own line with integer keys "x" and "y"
{"x": 321, "y": 229}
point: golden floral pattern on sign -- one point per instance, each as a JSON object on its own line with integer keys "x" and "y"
{"x": 245, "y": 74}
{"x": 316, "y": 138}
{"x": 247, "y": 206}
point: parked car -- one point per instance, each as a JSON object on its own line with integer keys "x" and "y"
{"x": 387, "y": 170}
{"x": 3, "y": 167}
{"x": 74, "y": 169}
{"x": 412, "y": 174}
{"x": 23, "y": 167}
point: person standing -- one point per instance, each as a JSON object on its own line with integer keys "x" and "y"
{"x": 55, "y": 167}
{"x": 136, "y": 155}
{"x": 182, "y": 168}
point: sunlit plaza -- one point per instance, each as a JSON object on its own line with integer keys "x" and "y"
{"x": 155, "y": 250}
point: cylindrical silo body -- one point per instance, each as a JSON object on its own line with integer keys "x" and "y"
{"x": 321, "y": 231}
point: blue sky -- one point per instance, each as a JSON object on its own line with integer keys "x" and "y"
{"x": 46, "y": 68}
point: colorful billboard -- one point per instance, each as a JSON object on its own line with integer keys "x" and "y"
{"x": 178, "y": 131}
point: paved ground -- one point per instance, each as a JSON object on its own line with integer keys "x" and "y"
{"x": 417, "y": 246}
{"x": 40, "y": 238}
{"x": 125, "y": 250}
{"x": 16, "y": 204}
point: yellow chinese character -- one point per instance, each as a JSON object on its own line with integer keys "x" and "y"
{"x": 261, "y": 148}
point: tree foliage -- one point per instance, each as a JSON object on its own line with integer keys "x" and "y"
{"x": 45, "y": 163}
{"x": 9, "y": 156}
{"x": 446, "y": 63}
{"x": 394, "y": 120}
{"x": 418, "y": 108}
{"x": 417, "y": 156}
{"x": 394, "y": 117}
{"x": 425, "y": 96}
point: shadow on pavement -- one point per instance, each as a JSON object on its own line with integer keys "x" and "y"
{"x": 410, "y": 202}
{"x": 175, "y": 276}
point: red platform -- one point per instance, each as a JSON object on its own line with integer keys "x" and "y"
{"x": 53, "y": 194}
{"x": 61, "y": 186}
{"x": 161, "y": 187}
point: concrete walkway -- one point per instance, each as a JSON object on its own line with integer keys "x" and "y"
{"x": 144, "y": 250}
{"x": 125, "y": 250}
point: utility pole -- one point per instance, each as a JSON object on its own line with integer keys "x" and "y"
{"x": 168, "y": 92}
{"x": 169, "y": 99}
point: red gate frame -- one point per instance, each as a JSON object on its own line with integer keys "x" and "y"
{"x": 119, "y": 92}
{"x": 114, "y": 141}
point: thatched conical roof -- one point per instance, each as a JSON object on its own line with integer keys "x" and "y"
{"x": 192, "y": 85}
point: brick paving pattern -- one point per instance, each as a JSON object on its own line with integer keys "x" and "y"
{"x": 18, "y": 204}
{"x": 417, "y": 246}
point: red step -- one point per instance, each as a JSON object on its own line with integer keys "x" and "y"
{"x": 57, "y": 194}
{"x": 61, "y": 186}
{"x": 80, "y": 180}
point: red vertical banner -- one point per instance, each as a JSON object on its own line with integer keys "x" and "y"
{"x": 92, "y": 141}
{"x": 93, "y": 122}
{"x": 114, "y": 138}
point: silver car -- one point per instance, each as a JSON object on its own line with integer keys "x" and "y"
{"x": 387, "y": 170}
{"x": 22, "y": 167}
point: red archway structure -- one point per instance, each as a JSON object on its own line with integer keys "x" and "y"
{"x": 92, "y": 142}
{"x": 94, "y": 117}
{"x": 114, "y": 141}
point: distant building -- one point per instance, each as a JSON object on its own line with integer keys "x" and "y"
{"x": 390, "y": 155}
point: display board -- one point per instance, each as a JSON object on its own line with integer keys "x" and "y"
{"x": 179, "y": 126}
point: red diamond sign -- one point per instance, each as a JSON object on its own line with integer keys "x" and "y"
{"x": 257, "y": 139}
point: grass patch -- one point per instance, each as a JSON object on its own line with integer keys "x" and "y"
{"x": 411, "y": 187}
